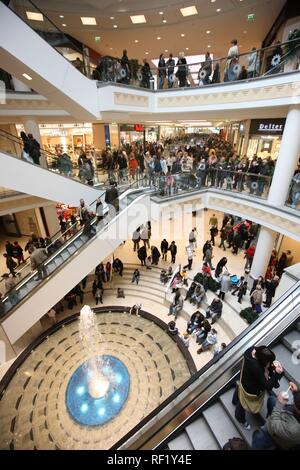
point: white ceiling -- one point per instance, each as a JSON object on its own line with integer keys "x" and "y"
{"x": 230, "y": 23}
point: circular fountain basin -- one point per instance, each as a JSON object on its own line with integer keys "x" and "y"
{"x": 95, "y": 411}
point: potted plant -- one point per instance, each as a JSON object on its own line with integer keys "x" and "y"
{"x": 249, "y": 315}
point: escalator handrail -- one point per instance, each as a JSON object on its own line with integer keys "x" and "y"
{"x": 31, "y": 275}
{"x": 246, "y": 333}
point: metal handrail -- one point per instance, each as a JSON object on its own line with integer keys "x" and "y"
{"x": 173, "y": 413}
{"x": 76, "y": 235}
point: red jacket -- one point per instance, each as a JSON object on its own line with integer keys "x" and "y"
{"x": 250, "y": 252}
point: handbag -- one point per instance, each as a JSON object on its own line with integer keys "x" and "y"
{"x": 251, "y": 403}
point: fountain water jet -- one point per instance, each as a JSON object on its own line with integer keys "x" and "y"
{"x": 98, "y": 383}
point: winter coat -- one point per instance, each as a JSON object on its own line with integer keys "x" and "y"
{"x": 37, "y": 257}
{"x": 284, "y": 427}
{"x": 164, "y": 246}
{"x": 257, "y": 296}
{"x": 225, "y": 283}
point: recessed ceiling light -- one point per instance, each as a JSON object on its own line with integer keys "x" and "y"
{"x": 111, "y": 17}
{"x": 209, "y": 46}
{"x": 158, "y": 38}
{"x": 64, "y": 25}
{"x": 212, "y": 1}
{"x": 61, "y": 16}
{"x": 136, "y": 41}
{"x": 97, "y": 38}
{"x": 111, "y": 48}
{"x": 245, "y": 32}
{"x": 218, "y": 10}
{"x": 189, "y": 11}
{"x": 88, "y": 20}
{"x": 138, "y": 19}
{"x": 164, "y": 21}
{"x": 26, "y": 76}
{"x": 146, "y": 52}
{"x": 208, "y": 31}
{"x": 186, "y": 48}
{"x": 115, "y": 25}
{"x": 161, "y": 13}
{"x": 182, "y": 35}
{"x": 166, "y": 50}
{"x": 32, "y": 15}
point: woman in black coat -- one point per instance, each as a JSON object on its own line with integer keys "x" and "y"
{"x": 219, "y": 268}
{"x": 142, "y": 255}
{"x": 155, "y": 255}
{"x": 182, "y": 71}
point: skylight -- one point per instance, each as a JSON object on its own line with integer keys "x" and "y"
{"x": 32, "y": 15}
{"x": 136, "y": 19}
{"x": 189, "y": 11}
{"x": 88, "y": 20}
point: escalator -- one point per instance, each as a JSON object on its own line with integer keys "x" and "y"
{"x": 50, "y": 74}
{"x": 47, "y": 180}
{"x": 205, "y": 432}
{"x": 32, "y": 297}
{"x": 200, "y": 415}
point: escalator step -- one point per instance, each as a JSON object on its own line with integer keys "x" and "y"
{"x": 290, "y": 365}
{"x": 290, "y": 339}
{"x": 181, "y": 442}
{"x": 201, "y": 436}
{"x": 71, "y": 249}
{"x": 220, "y": 424}
{"x": 65, "y": 255}
{"x": 226, "y": 400}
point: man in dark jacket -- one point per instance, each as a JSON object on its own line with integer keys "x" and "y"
{"x": 10, "y": 264}
{"x": 142, "y": 254}
{"x": 173, "y": 250}
{"x": 146, "y": 74}
{"x": 270, "y": 290}
{"x": 112, "y": 196}
{"x": 155, "y": 255}
{"x": 34, "y": 149}
{"x": 9, "y": 248}
{"x": 164, "y": 246}
{"x": 118, "y": 266}
{"x": 215, "y": 310}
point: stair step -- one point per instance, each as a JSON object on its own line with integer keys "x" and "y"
{"x": 141, "y": 286}
{"x": 226, "y": 400}
{"x": 220, "y": 424}
{"x": 290, "y": 339}
{"x": 181, "y": 442}
{"x": 291, "y": 370}
{"x": 201, "y": 436}
{"x": 139, "y": 294}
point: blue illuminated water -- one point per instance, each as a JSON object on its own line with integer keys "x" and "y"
{"x": 90, "y": 411}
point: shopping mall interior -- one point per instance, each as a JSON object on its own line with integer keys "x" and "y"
{"x": 149, "y": 225}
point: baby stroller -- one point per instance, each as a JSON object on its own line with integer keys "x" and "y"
{"x": 234, "y": 280}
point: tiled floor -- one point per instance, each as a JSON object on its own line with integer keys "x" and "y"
{"x": 33, "y": 414}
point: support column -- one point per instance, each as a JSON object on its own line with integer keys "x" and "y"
{"x": 264, "y": 247}
{"x": 287, "y": 159}
{"x": 31, "y": 127}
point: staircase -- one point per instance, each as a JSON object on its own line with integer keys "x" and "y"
{"x": 216, "y": 424}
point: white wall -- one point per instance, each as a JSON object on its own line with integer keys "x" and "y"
{"x": 81, "y": 264}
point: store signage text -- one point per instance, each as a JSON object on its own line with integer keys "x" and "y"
{"x": 268, "y": 126}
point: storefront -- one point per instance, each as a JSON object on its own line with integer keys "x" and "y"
{"x": 265, "y": 137}
{"x": 130, "y": 133}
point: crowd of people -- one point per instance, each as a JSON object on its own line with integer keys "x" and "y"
{"x": 235, "y": 66}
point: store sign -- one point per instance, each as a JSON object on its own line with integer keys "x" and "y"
{"x": 267, "y": 126}
{"x": 139, "y": 128}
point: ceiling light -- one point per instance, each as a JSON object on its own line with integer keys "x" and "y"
{"x": 64, "y": 25}
{"x": 138, "y": 19}
{"x": 212, "y": 1}
{"x": 61, "y": 16}
{"x": 115, "y": 26}
{"x": 208, "y": 31}
{"x": 32, "y": 15}
{"x": 111, "y": 17}
{"x": 97, "y": 38}
{"x": 182, "y": 35}
{"x": 111, "y": 48}
{"x": 136, "y": 41}
{"x": 245, "y": 32}
{"x": 161, "y": 13}
{"x": 209, "y": 46}
{"x": 158, "y": 38}
{"x": 218, "y": 10}
{"x": 146, "y": 52}
{"x": 26, "y": 76}
{"x": 88, "y": 20}
{"x": 186, "y": 48}
{"x": 166, "y": 50}
{"x": 164, "y": 21}
{"x": 189, "y": 11}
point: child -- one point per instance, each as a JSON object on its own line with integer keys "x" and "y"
{"x": 238, "y": 285}
{"x": 210, "y": 340}
{"x": 148, "y": 262}
{"x": 184, "y": 277}
{"x": 172, "y": 329}
{"x": 185, "y": 339}
{"x": 120, "y": 293}
{"x": 135, "y": 310}
{"x": 136, "y": 276}
{"x": 99, "y": 294}
{"x": 163, "y": 276}
{"x": 242, "y": 291}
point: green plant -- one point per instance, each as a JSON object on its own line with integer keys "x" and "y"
{"x": 292, "y": 49}
{"x": 211, "y": 283}
{"x": 249, "y": 315}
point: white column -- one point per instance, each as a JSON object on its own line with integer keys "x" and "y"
{"x": 287, "y": 159}
{"x": 31, "y": 126}
{"x": 264, "y": 247}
